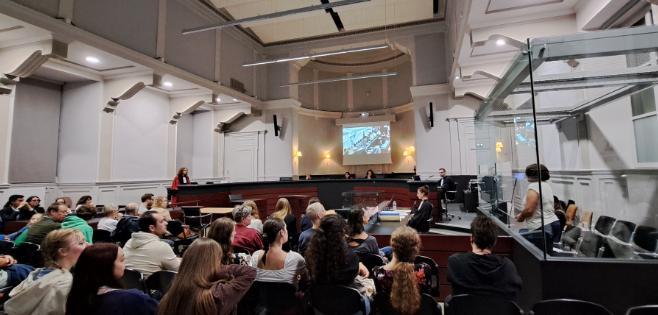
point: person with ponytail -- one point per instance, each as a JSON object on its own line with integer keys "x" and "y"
{"x": 273, "y": 263}
{"x": 96, "y": 287}
{"x": 283, "y": 211}
{"x": 400, "y": 282}
{"x": 203, "y": 286}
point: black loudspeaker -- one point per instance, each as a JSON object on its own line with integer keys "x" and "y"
{"x": 431, "y": 116}
{"x": 277, "y": 128}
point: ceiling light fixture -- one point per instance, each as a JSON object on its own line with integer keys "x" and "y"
{"x": 318, "y": 55}
{"x": 167, "y": 84}
{"x": 92, "y": 59}
{"x": 236, "y": 100}
{"x": 360, "y": 77}
{"x": 218, "y": 99}
{"x": 274, "y": 15}
{"x": 500, "y": 42}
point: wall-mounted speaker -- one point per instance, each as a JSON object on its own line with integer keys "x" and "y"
{"x": 431, "y": 116}
{"x": 277, "y": 128}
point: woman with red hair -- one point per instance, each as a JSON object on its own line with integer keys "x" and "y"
{"x": 180, "y": 179}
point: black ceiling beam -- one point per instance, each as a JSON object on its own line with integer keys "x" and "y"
{"x": 334, "y": 16}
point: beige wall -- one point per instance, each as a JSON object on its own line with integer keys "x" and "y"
{"x": 319, "y": 136}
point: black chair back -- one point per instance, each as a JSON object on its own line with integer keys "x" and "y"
{"x": 643, "y": 310}
{"x": 434, "y": 277}
{"x": 271, "y": 298}
{"x": 645, "y": 237}
{"x": 371, "y": 261}
{"x": 159, "y": 282}
{"x": 6, "y": 247}
{"x": 466, "y": 304}
{"x": 133, "y": 279}
{"x": 351, "y": 301}
{"x": 235, "y": 198}
{"x": 29, "y": 253}
{"x": 591, "y": 245}
{"x": 623, "y": 230}
{"x": 102, "y": 236}
{"x": 604, "y": 224}
{"x": 568, "y": 307}
{"x": 191, "y": 210}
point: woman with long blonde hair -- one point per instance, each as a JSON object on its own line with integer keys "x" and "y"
{"x": 400, "y": 282}
{"x": 283, "y": 212}
{"x": 203, "y": 285}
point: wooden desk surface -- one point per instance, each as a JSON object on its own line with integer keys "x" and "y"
{"x": 216, "y": 210}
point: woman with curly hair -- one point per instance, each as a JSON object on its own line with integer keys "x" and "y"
{"x": 330, "y": 261}
{"x": 203, "y": 286}
{"x": 400, "y": 282}
{"x": 222, "y": 231}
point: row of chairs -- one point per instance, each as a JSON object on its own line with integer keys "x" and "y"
{"x": 614, "y": 239}
{"x": 466, "y": 304}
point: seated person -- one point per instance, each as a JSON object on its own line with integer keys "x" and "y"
{"x": 24, "y": 230}
{"x": 145, "y": 251}
{"x": 401, "y": 281}
{"x": 55, "y": 214}
{"x": 370, "y": 174}
{"x": 315, "y": 212}
{"x": 348, "y": 175}
{"x": 256, "y": 222}
{"x": 147, "y": 203}
{"x": 422, "y": 215}
{"x": 357, "y": 238}
{"x": 33, "y": 204}
{"x": 480, "y": 272}
{"x": 128, "y": 224}
{"x": 96, "y": 287}
{"x": 78, "y": 221}
{"x": 330, "y": 261}
{"x": 204, "y": 285}
{"x": 11, "y": 212}
{"x": 45, "y": 290}
{"x": 222, "y": 231}
{"x": 305, "y": 223}
{"x": 85, "y": 201}
{"x": 11, "y": 272}
{"x": 283, "y": 212}
{"x": 110, "y": 220}
{"x": 160, "y": 205}
{"x": 246, "y": 239}
{"x": 275, "y": 264}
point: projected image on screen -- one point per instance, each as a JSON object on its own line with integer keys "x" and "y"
{"x": 367, "y": 144}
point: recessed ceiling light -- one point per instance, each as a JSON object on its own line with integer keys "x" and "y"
{"x": 92, "y": 59}
{"x": 236, "y": 100}
{"x": 167, "y": 84}
{"x": 500, "y": 42}
{"x": 456, "y": 77}
{"x": 218, "y": 99}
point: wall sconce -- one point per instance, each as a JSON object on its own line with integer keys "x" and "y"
{"x": 405, "y": 153}
{"x": 411, "y": 149}
{"x": 499, "y": 147}
{"x": 298, "y": 154}
{"x": 327, "y": 155}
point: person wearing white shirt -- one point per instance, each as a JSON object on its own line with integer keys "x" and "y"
{"x": 110, "y": 220}
{"x": 532, "y": 213}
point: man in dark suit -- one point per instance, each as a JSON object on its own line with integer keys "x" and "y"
{"x": 446, "y": 183}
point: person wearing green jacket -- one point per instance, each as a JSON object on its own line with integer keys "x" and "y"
{"x": 72, "y": 221}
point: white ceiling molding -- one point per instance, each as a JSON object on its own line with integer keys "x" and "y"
{"x": 319, "y": 113}
{"x": 402, "y": 108}
{"x": 347, "y": 78}
{"x": 286, "y": 103}
{"x": 72, "y": 69}
{"x": 429, "y": 90}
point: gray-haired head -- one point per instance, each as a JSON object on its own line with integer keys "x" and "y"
{"x": 240, "y": 212}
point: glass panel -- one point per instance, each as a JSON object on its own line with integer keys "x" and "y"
{"x": 646, "y": 139}
{"x": 594, "y": 95}
{"x": 643, "y": 102}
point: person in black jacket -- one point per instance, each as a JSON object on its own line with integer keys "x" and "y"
{"x": 127, "y": 225}
{"x": 422, "y": 215}
{"x": 10, "y": 212}
{"x": 480, "y": 272}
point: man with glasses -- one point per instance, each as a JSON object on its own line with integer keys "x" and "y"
{"x": 52, "y": 221}
{"x": 34, "y": 204}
